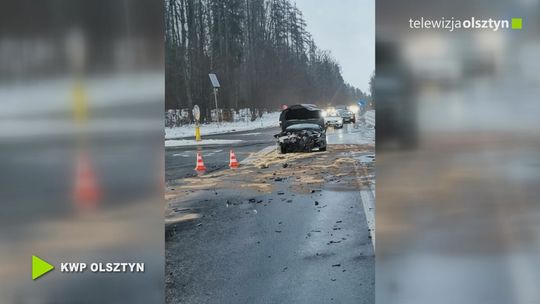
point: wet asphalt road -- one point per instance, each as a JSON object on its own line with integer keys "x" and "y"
{"x": 43, "y": 171}
{"x": 273, "y": 244}
{"x": 180, "y": 161}
{"x": 39, "y": 216}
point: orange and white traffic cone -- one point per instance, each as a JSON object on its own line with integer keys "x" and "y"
{"x": 86, "y": 192}
{"x": 200, "y": 165}
{"x": 233, "y": 163}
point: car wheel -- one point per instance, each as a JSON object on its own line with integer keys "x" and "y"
{"x": 282, "y": 149}
{"x": 322, "y": 149}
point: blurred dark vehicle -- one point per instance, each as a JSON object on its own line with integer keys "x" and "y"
{"x": 348, "y": 116}
{"x": 302, "y": 129}
{"x": 396, "y": 108}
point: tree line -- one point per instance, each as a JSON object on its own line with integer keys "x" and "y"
{"x": 260, "y": 50}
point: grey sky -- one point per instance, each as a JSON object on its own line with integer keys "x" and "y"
{"x": 347, "y": 29}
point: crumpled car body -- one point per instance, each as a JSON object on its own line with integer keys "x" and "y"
{"x": 302, "y": 129}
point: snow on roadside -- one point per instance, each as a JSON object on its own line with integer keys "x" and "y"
{"x": 368, "y": 135}
{"x": 268, "y": 120}
{"x": 192, "y": 142}
{"x": 369, "y": 118}
{"x": 53, "y": 95}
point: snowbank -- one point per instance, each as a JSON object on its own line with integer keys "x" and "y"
{"x": 103, "y": 91}
{"x": 369, "y": 117}
{"x": 268, "y": 120}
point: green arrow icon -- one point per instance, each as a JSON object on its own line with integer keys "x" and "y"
{"x": 40, "y": 267}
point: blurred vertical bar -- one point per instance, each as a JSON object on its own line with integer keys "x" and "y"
{"x": 458, "y": 164}
{"x": 81, "y": 140}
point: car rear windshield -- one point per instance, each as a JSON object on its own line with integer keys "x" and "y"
{"x": 302, "y": 114}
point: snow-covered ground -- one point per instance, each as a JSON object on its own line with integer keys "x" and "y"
{"x": 369, "y": 117}
{"x": 58, "y": 127}
{"x": 192, "y": 142}
{"x": 268, "y": 120}
{"x": 45, "y": 107}
{"x": 351, "y": 135}
{"x": 103, "y": 91}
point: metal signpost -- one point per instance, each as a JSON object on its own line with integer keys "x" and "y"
{"x": 215, "y": 84}
{"x": 362, "y": 104}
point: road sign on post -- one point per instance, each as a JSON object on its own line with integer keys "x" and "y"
{"x": 197, "y": 116}
{"x": 215, "y": 84}
{"x": 214, "y": 80}
{"x": 196, "y": 113}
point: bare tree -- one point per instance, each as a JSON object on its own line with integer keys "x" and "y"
{"x": 260, "y": 49}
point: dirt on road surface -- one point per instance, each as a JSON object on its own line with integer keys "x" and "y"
{"x": 342, "y": 167}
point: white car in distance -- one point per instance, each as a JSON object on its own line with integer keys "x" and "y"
{"x": 332, "y": 119}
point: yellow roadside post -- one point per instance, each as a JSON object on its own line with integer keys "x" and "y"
{"x": 76, "y": 51}
{"x": 197, "y": 116}
{"x": 80, "y": 105}
{"x": 197, "y": 132}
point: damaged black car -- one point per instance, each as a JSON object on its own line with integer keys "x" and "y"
{"x": 302, "y": 129}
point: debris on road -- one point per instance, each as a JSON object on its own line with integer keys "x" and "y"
{"x": 286, "y": 186}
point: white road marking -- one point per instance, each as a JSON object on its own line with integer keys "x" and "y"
{"x": 183, "y": 155}
{"x": 261, "y": 153}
